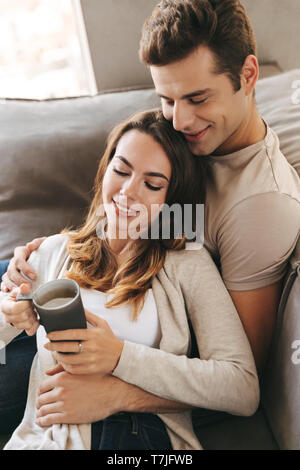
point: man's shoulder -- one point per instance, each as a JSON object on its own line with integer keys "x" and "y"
{"x": 283, "y": 173}
{"x": 249, "y": 175}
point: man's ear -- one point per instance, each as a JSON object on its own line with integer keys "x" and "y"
{"x": 250, "y": 74}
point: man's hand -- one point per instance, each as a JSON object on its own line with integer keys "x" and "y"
{"x": 13, "y": 277}
{"x": 76, "y": 399}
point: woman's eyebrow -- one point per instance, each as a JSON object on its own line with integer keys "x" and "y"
{"x": 149, "y": 173}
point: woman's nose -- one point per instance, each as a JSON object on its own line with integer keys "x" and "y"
{"x": 130, "y": 188}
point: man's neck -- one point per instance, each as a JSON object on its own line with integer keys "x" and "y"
{"x": 251, "y": 131}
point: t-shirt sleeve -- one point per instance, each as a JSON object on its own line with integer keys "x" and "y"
{"x": 256, "y": 239}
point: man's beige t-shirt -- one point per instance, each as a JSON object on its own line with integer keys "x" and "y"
{"x": 252, "y": 214}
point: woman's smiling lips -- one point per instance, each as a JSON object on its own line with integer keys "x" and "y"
{"x": 122, "y": 210}
{"x": 196, "y": 137}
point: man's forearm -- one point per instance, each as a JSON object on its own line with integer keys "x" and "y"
{"x": 134, "y": 399}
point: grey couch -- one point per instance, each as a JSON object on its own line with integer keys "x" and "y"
{"x": 49, "y": 155}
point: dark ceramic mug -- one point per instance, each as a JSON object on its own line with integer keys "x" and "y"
{"x": 58, "y": 304}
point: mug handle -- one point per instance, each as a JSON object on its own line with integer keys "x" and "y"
{"x": 21, "y": 297}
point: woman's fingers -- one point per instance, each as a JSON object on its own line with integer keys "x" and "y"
{"x": 55, "y": 370}
{"x": 65, "y": 346}
{"x": 70, "y": 335}
{"x": 20, "y": 314}
{"x": 33, "y": 329}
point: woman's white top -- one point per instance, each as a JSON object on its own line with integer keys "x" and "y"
{"x": 144, "y": 330}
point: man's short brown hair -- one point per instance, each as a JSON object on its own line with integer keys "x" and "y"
{"x": 178, "y": 27}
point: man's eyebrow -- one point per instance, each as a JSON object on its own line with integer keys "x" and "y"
{"x": 188, "y": 95}
{"x": 150, "y": 173}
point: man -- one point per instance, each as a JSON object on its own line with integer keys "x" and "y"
{"x": 202, "y": 57}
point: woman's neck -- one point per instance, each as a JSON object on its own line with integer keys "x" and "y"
{"x": 122, "y": 249}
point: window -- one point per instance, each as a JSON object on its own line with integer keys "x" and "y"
{"x": 43, "y": 50}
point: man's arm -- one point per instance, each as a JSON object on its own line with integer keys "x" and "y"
{"x": 255, "y": 243}
{"x": 99, "y": 397}
{"x": 257, "y": 310}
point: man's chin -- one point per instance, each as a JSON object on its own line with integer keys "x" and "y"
{"x": 200, "y": 150}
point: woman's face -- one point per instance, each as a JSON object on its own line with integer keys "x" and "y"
{"x": 135, "y": 185}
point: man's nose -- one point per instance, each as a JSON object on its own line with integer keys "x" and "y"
{"x": 183, "y": 117}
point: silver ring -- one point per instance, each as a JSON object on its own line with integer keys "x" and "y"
{"x": 80, "y": 347}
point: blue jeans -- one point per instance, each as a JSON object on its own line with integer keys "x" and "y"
{"x": 14, "y": 380}
{"x": 14, "y": 376}
{"x": 3, "y": 268}
{"x": 130, "y": 431}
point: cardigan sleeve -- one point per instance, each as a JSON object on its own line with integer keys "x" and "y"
{"x": 224, "y": 378}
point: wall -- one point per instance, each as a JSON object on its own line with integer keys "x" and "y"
{"x": 114, "y": 29}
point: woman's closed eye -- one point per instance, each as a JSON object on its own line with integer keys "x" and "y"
{"x": 147, "y": 184}
{"x": 153, "y": 188}
{"x": 119, "y": 172}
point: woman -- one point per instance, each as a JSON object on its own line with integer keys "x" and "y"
{"x": 150, "y": 292}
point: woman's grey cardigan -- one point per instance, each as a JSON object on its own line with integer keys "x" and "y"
{"x": 189, "y": 287}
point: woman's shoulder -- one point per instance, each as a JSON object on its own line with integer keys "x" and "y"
{"x": 192, "y": 250}
{"x": 193, "y": 258}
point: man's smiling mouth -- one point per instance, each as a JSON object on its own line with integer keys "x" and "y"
{"x": 196, "y": 137}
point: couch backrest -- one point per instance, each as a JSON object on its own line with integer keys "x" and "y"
{"x": 281, "y": 382}
{"x": 50, "y": 152}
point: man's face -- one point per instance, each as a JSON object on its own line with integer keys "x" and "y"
{"x": 201, "y": 104}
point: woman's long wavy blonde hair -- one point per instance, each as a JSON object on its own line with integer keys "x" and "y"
{"x": 94, "y": 265}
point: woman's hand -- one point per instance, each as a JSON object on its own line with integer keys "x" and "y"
{"x": 99, "y": 352}
{"x": 20, "y": 314}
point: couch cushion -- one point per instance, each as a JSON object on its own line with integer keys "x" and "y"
{"x": 236, "y": 433}
{"x": 278, "y": 100}
{"x": 49, "y": 156}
